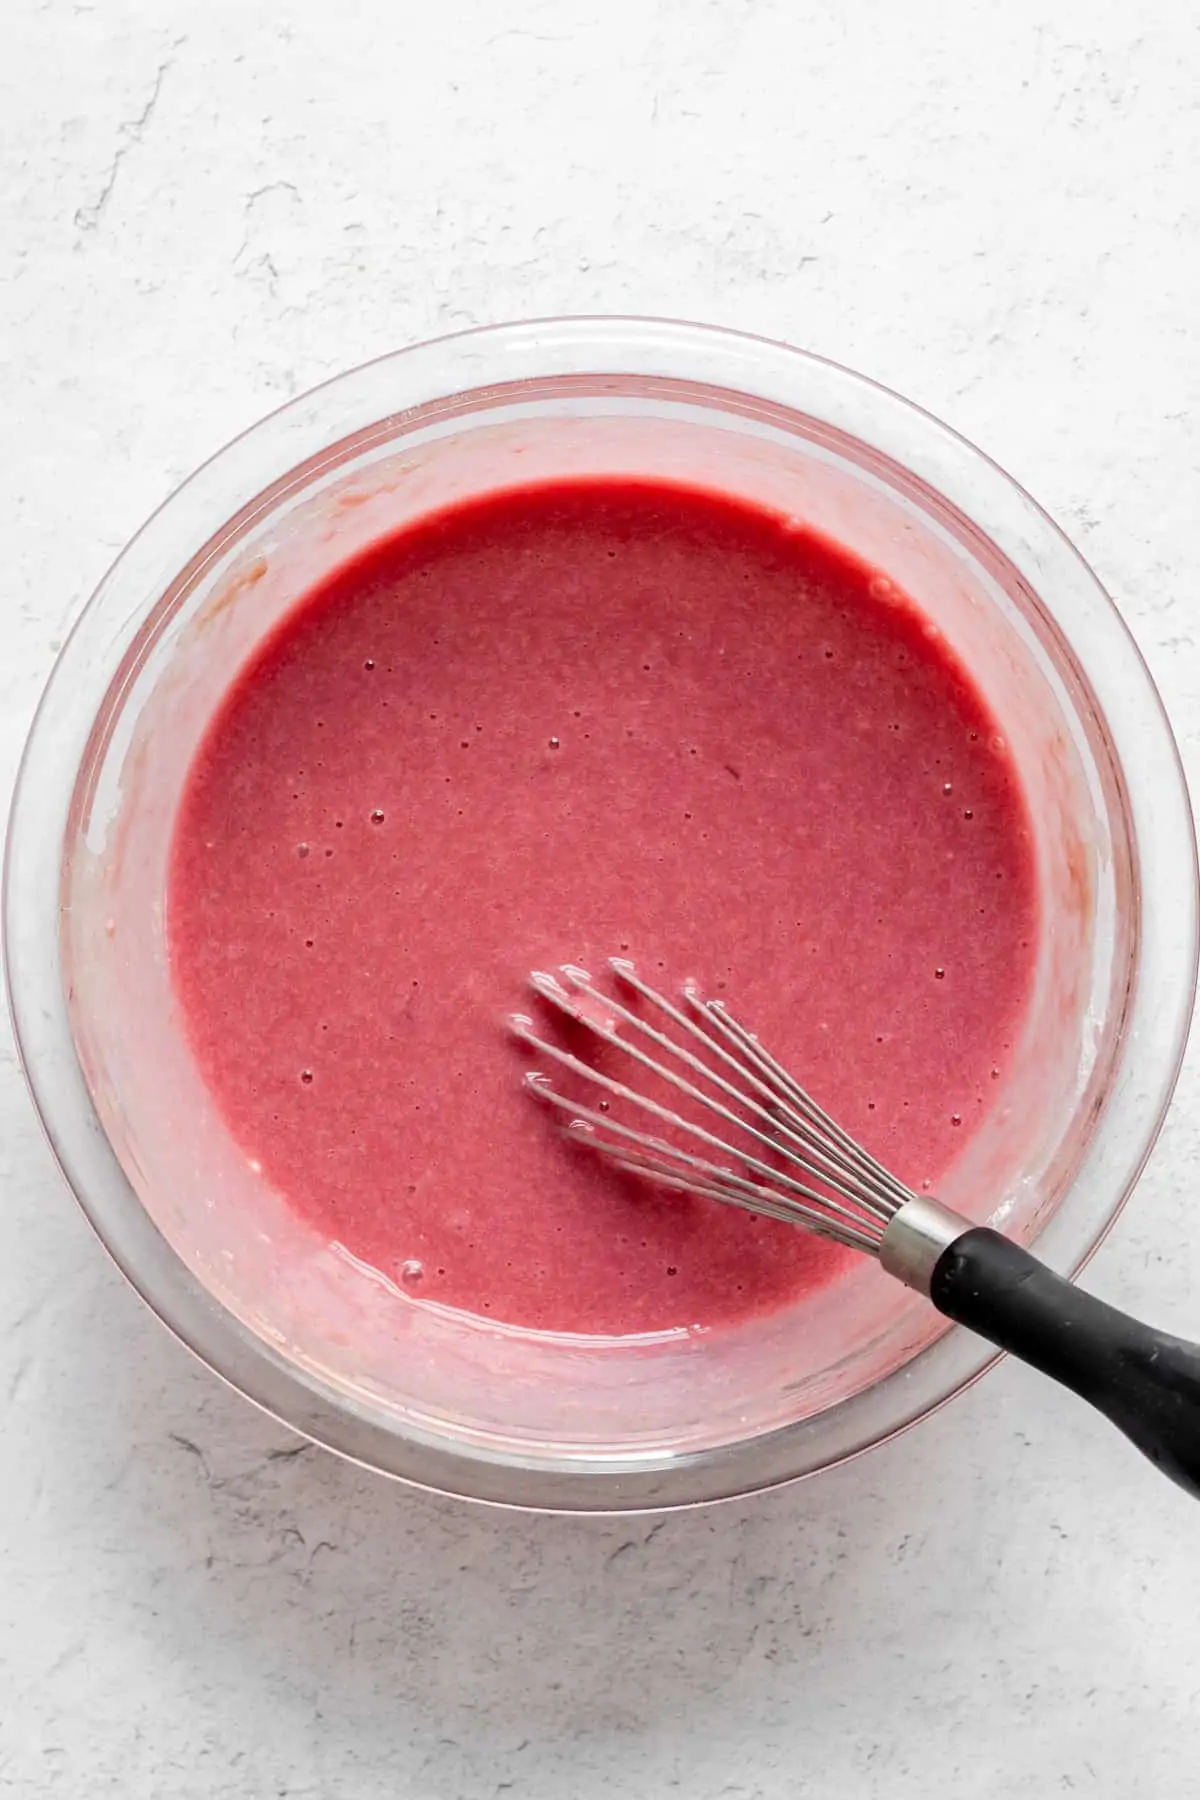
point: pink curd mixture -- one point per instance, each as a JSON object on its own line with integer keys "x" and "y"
{"x": 554, "y": 725}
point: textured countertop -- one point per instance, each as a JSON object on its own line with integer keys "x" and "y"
{"x": 205, "y": 208}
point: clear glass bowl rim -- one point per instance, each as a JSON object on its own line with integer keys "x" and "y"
{"x": 441, "y": 369}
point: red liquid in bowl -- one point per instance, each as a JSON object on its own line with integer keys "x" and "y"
{"x": 555, "y": 725}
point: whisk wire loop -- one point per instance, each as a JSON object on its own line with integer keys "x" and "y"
{"x": 819, "y": 1176}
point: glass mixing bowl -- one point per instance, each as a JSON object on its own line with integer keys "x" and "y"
{"x": 326, "y": 1344}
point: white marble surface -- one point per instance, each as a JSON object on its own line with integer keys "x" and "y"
{"x": 209, "y": 206}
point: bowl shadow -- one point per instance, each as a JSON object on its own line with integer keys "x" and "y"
{"x": 268, "y": 1568}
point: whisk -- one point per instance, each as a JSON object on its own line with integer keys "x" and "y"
{"x": 725, "y": 1121}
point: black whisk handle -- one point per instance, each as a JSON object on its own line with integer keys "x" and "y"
{"x": 1146, "y": 1382}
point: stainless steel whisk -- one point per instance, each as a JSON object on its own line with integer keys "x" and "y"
{"x": 757, "y": 1140}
